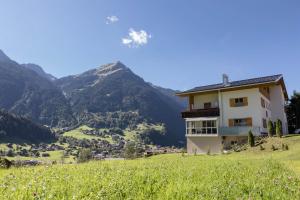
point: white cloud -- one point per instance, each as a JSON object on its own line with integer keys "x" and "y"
{"x": 112, "y": 19}
{"x": 136, "y": 38}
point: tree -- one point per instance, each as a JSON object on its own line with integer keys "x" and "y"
{"x": 293, "y": 112}
{"x": 251, "y": 141}
{"x": 270, "y": 128}
{"x": 130, "y": 150}
{"x": 84, "y": 155}
{"x": 278, "y": 128}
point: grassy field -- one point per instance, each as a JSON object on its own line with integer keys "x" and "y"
{"x": 77, "y": 133}
{"x": 252, "y": 174}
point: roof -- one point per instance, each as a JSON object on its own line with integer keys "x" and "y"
{"x": 247, "y": 82}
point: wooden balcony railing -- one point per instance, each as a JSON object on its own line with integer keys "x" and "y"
{"x": 209, "y": 112}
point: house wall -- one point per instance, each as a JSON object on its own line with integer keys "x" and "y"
{"x": 264, "y": 112}
{"x": 253, "y": 109}
{"x": 199, "y": 100}
{"x": 201, "y": 145}
{"x": 277, "y": 106}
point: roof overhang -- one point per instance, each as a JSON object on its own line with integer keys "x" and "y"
{"x": 279, "y": 81}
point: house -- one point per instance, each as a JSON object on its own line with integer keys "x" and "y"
{"x": 221, "y": 115}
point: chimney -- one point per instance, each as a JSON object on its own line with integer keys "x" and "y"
{"x": 225, "y": 80}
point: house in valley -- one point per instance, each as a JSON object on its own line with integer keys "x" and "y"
{"x": 221, "y": 115}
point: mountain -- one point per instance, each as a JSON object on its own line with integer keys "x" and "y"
{"x": 39, "y": 70}
{"x": 3, "y": 57}
{"x": 171, "y": 94}
{"x": 112, "y": 90}
{"x": 16, "y": 128}
{"x": 110, "y": 96}
{"x": 31, "y": 95}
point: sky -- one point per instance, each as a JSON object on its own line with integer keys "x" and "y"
{"x": 178, "y": 44}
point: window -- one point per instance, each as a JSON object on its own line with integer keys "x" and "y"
{"x": 240, "y": 122}
{"x": 265, "y": 123}
{"x": 238, "y": 102}
{"x": 263, "y": 103}
{"x": 207, "y": 105}
{"x": 202, "y": 127}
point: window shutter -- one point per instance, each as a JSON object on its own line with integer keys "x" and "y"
{"x": 232, "y": 103}
{"x": 245, "y": 99}
{"x": 249, "y": 121}
{"x": 231, "y": 122}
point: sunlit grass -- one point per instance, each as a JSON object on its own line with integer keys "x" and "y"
{"x": 252, "y": 174}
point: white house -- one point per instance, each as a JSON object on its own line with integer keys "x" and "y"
{"x": 222, "y": 114}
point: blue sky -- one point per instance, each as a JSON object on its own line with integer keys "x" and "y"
{"x": 176, "y": 44}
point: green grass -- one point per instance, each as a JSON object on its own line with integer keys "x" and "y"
{"x": 77, "y": 133}
{"x": 252, "y": 174}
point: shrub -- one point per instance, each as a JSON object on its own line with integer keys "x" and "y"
{"x": 270, "y": 128}
{"x": 45, "y": 155}
{"x": 273, "y": 148}
{"x": 286, "y": 147}
{"x": 278, "y": 128}
{"x": 5, "y": 163}
{"x": 10, "y": 153}
{"x": 130, "y": 150}
{"x": 262, "y": 148}
{"x": 84, "y": 155}
{"x": 251, "y": 139}
{"x": 208, "y": 151}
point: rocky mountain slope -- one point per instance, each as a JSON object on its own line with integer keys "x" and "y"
{"x": 39, "y": 70}
{"x": 26, "y": 93}
{"x": 109, "y": 96}
{"x": 114, "y": 88}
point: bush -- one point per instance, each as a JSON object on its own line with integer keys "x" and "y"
{"x": 130, "y": 150}
{"x": 84, "y": 155}
{"x": 251, "y": 140}
{"x": 45, "y": 155}
{"x": 273, "y": 148}
{"x": 262, "y": 148}
{"x": 270, "y": 128}
{"x": 5, "y": 163}
{"x": 278, "y": 128}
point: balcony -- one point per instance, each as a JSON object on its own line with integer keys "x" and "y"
{"x": 193, "y": 113}
{"x": 239, "y": 131}
{"x": 222, "y": 131}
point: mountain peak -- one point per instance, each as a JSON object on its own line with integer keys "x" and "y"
{"x": 110, "y": 68}
{"x": 3, "y": 56}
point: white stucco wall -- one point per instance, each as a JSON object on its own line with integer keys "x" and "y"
{"x": 277, "y": 106}
{"x": 253, "y": 109}
{"x": 201, "y": 145}
{"x": 199, "y": 100}
{"x": 263, "y": 112}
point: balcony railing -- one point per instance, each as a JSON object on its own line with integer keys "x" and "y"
{"x": 224, "y": 131}
{"x": 209, "y": 112}
{"x": 239, "y": 130}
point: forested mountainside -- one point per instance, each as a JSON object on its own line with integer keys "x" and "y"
{"x": 21, "y": 129}
{"x": 25, "y": 92}
{"x": 110, "y": 96}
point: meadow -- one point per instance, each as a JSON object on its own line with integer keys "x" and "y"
{"x": 252, "y": 174}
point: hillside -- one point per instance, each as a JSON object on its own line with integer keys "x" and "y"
{"x": 14, "y": 128}
{"x": 39, "y": 70}
{"x": 112, "y": 94}
{"x": 31, "y": 95}
{"x": 252, "y": 174}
